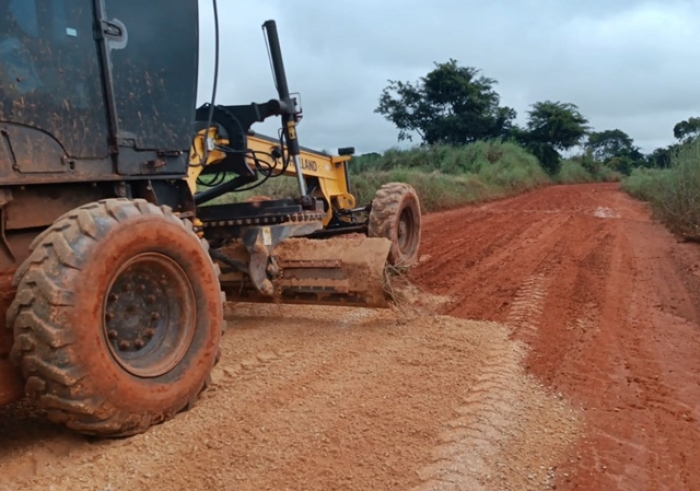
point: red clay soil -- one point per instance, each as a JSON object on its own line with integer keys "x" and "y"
{"x": 572, "y": 363}
{"x": 609, "y": 303}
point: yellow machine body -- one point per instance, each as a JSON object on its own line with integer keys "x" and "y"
{"x": 330, "y": 170}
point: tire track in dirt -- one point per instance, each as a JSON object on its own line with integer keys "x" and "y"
{"x": 488, "y": 445}
{"x": 658, "y": 452}
{"x": 480, "y": 282}
{"x": 585, "y": 262}
{"x": 617, "y": 326}
{"x": 453, "y": 352}
{"x": 491, "y": 417}
{"x": 297, "y": 392}
{"x": 472, "y": 441}
{"x": 453, "y": 255}
{"x": 36, "y": 449}
{"x": 598, "y": 361}
{"x": 527, "y": 307}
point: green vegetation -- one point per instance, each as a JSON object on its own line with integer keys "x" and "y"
{"x": 456, "y": 105}
{"x": 451, "y": 105}
{"x": 585, "y": 168}
{"x": 444, "y": 176}
{"x": 688, "y": 130}
{"x": 573, "y": 172}
{"x": 673, "y": 193}
{"x": 447, "y": 176}
{"x": 472, "y": 150}
{"x": 552, "y": 127}
{"x": 644, "y": 184}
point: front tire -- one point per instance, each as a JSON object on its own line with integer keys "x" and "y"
{"x": 396, "y": 215}
{"x": 118, "y": 317}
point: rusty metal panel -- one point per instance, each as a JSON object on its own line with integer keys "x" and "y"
{"x": 39, "y": 206}
{"x": 30, "y": 151}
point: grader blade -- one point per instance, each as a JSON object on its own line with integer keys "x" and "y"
{"x": 347, "y": 271}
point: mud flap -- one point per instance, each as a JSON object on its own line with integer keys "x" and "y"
{"x": 349, "y": 270}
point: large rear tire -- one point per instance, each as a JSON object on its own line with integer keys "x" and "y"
{"x": 396, "y": 215}
{"x": 118, "y": 317}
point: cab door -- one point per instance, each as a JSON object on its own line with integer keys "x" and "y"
{"x": 151, "y": 48}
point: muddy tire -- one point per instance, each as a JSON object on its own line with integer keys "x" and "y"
{"x": 396, "y": 215}
{"x": 117, "y": 319}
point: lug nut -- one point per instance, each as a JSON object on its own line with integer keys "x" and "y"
{"x": 149, "y": 333}
{"x": 139, "y": 343}
{"x": 124, "y": 345}
{"x": 151, "y": 298}
{"x": 109, "y": 316}
{"x": 112, "y": 298}
{"x": 141, "y": 288}
{"x": 112, "y": 334}
{"x": 155, "y": 316}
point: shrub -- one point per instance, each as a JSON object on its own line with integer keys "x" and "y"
{"x": 644, "y": 184}
{"x": 573, "y": 172}
{"x": 674, "y": 193}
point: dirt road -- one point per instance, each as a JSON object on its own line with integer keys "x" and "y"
{"x": 559, "y": 348}
{"x": 609, "y": 304}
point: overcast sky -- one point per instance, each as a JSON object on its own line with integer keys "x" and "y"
{"x": 628, "y": 64}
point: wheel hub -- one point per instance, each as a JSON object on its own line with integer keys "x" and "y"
{"x": 149, "y": 315}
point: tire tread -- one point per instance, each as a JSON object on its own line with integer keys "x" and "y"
{"x": 385, "y": 214}
{"x": 44, "y": 350}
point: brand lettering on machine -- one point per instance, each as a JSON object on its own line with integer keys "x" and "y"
{"x": 309, "y": 164}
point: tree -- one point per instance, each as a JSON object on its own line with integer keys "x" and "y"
{"x": 688, "y": 130}
{"x": 609, "y": 144}
{"x": 616, "y": 149}
{"x": 451, "y": 104}
{"x": 661, "y": 157}
{"x": 552, "y": 127}
{"x": 557, "y": 123}
{"x": 623, "y": 164}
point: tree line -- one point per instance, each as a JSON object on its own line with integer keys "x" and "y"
{"x": 457, "y": 105}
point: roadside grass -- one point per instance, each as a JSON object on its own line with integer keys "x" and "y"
{"x": 576, "y": 172}
{"x": 644, "y": 184}
{"x": 572, "y": 172}
{"x": 445, "y": 176}
{"x": 673, "y": 193}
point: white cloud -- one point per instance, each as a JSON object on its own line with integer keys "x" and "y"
{"x": 627, "y": 64}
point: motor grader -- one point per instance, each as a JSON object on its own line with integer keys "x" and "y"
{"x": 121, "y": 230}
